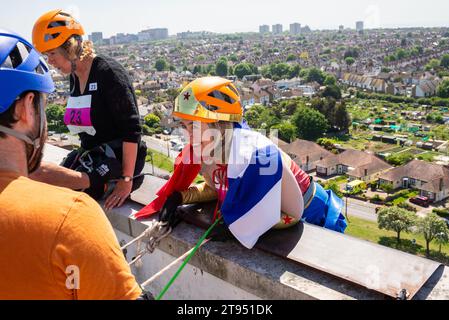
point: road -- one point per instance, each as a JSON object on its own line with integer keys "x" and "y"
{"x": 161, "y": 146}
{"x": 362, "y": 210}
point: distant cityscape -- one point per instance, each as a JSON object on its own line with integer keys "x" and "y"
{"x": 155, "y": 34}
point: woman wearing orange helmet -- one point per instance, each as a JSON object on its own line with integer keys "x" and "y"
{"x": 257, "y": 185}
{"x": 101, "y": 109}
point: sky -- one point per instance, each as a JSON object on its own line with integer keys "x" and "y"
{"x": 229, "y": 16}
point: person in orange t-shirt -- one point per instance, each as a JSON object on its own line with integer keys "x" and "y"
{"x": 55, "y": 244}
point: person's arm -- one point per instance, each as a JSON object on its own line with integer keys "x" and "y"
{"x": 123, "y": 188}
{"x": 86, "y": 243}
{"x": 61, "y": 177}
{"x": 199, "y": 194}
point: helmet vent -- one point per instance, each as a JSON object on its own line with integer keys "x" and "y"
{"x": 49, "y": 37}
{"x": 17, "y": 56}
{"x": 221, "y": 96}
{"x": 233, "y": 90}
{"x": 209, "y": 107}
{"x": 56, "y": 24}
{"x": 65, "y": 14}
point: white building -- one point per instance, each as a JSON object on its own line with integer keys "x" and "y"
{"x": 264, "y": 29}
{"x": 295, "y": 28}
{"x": 277, "y": 29}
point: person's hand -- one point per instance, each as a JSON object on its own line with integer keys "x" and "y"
{"x": 168, "y": 211}
{"x": 121, "y": 192}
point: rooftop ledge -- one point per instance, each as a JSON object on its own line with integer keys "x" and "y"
{"x": 230, "y": 271}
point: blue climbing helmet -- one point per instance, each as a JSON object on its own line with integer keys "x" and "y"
{"x": 21, "y": 69}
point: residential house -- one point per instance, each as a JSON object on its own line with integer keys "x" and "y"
{"x": 358, "y": 165}
{"x": 432, "y": 180}
{"x": 306, "y": 154}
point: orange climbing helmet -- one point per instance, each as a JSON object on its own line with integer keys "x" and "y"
{"x": 209, "y": 99}
{"x": 53, "y": 29}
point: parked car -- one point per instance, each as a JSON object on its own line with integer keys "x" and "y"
{"x": 421, "y": 201}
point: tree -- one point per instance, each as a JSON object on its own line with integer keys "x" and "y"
{"x": 294, "y": 71}
{"x": 221, "y": 68}
{"x": 152, "y": 121}
{"x": 350, "y": 61}
{"x": 286, "y": 130}
{"x": 333, "y": 91}
{"x": 352, "y": 52}
{"x": 442, "y": 238}
{"x": 197, "y": 69}
{"x": 396, "y": 219}
{"x": 291, "y": 57}
{"x": 443, "y": 89}
{"x": 401, "y": 54}
{"x": 330, "y": 80}
{"x": 315, "y": 74}
{"x": 55, "y": 118}
{"x": 310, "y": 124}
{"x": 161, "y": 64}
{"x": 445, "y": 61}
{"x": 433, "y": 64}
{"x": 242, "y": 69}
{"x": 342, "y": 117}
{"x": 430, "y": 227}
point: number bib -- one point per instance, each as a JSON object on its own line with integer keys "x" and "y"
{"x": 77, "y": 116}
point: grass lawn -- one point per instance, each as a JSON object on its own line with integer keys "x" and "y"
{"x": 368, "y": 230}
{"x": 428, "y": 156}
{"x": 160, "y": 160}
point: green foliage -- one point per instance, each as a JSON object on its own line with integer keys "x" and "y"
{"x": 311, "y": 124}
{"x": 352, "y": 53}
{"x": 152, "y": 121}
{"x": 333, "y": 91}
{"x": 342, "y": 117}
{"x": 245, "y": 69}
{"x": 350, "y": 61}
{"x": 287, "y": 131}
{"x": 330, "y": 80}
{"x": 281, "y": 70}
{"x": 445, "y": 61}
{"x": 198, "y": 69}
{"x": 55, "y": 118}
{"x": 396, "y": 219}
{"x": 326, "y": 143}
{"x": 160, "y": 160}
{"x": 161, "y": 64}
{"x": 221, "y": 68}
{"x": 314, "y": 74}
{"x": 332, "y": 185}
{"x": 260, "y": 117}
{"x": 433, "y": 64}
{"x": 436, "y": 117}
{"x": 443, "y": 89}
{"x": 399, "y": 159}
{"x": 291, "y": 57}
{"x": 431, "y": 227}
{"x": 386, "y": 187}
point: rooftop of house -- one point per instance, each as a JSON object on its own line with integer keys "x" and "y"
{"x": 419, "y": 170}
